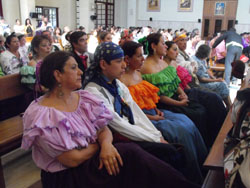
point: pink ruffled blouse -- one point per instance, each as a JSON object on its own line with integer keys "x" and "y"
{"x": 184, "y": 76}
{"x": 51, "y": 132}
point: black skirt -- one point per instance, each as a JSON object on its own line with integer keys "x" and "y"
{"x": 140, "y": 169}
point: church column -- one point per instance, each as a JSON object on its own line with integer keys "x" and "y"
{"x": 26, "y": 6}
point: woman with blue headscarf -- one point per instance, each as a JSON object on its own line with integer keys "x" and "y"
{"x": 129, "y": 124}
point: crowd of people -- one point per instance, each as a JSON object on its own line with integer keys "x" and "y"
{"x": 136, "y": 112}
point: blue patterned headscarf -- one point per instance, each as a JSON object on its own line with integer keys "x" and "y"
{"x": 107, "y": 51}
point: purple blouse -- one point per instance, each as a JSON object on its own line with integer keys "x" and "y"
{"x": 51, "y": 132}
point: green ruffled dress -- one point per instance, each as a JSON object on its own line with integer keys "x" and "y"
{"x": 28, "y": 76}
{"x": 168, "y": 81}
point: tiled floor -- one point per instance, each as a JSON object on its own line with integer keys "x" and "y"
{"x": 21, "y": 172}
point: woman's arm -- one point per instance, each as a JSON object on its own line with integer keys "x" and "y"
{"x": 109, "y": 156}
{"x": 75, "y": 157}
{"x": 182, "y": 94}
{"x": 207, "y": 80}
{"x": 173, "y": 102}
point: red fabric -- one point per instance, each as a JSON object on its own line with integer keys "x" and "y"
{"x": 244, "y": 58}
{"x": 184, "y": 76}
{"x": 84, "y": 59}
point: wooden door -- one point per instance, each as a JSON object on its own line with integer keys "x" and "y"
{"x": 218, "y": 15}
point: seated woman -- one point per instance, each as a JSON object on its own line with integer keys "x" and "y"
{"x": 216, "y": 117}
{"x": 176, "y": 128}
{"x": 11, "y": 60}
{"x": 172, "y": 97}
{"x": 40, "y": 47}
{"x": 71, "y": 143}
{"x": 207, "y": 79}
{"x": 104, "y": 37}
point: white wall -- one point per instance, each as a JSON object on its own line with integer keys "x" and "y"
{"x": 121, "y": 13}
{"x": 11, "y": 11}
{"x": 243, "y": 15}
{"x": 169, "y": 17}
{"x": 86, "y": 9}
{"x": 66, "y": 11}
{"x": 27, "y": 6}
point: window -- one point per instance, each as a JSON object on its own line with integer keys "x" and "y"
{"x": 1, "y": 9}
{"x": 206, "y": 27}
{"x": 49, "y": 12}
{"x": 230, "y": 24}
{"x": 217, "y": 27}
{"x": 104, "y": 13}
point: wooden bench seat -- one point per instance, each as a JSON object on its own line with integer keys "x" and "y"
{"x": 217, "y": 67}
{"x": 14, "y": 99}
{"x": 215, "y": 159}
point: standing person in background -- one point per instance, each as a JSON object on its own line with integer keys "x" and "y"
{"x": 234, "y": 50}
{"x": 18, "y": 28}
{"x": 10, "y": 59}
{"x": 28, "y": 28}
{"x": 220, "y": 51}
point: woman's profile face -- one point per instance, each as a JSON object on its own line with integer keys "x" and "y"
{"x": 137, "y": 60}
{"x": 172, "y": 52}
{"x": 71, "y": 77}
{"x": 14, "y": 43}
{"x": 44, "y": 48}
{"x": 108, "y": 38}
{"x": 161, "y": 47}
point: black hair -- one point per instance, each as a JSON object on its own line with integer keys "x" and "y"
{"x": 54, "y": 61}
{"x": 232, "y": 29}
{"x": 74, "y": 37}
{"x": 130, "y": 47}
{"x": 56, "y": 28}
{"x": 27, "y": 21}
{"x": 169, "y": 44}
{"x": 203, "y": 51}
{"x": 155, "y": 39}
{"x": 20, "y": 36}
{"x": 67, "y": 36}
{"x": 81, "y": 27}
{"x": 193, "y": 34}
{"x": 36, "y": 42}
{"x": 103, "y": 34}
{"x": 9, "y": 38}
{"x": 238, "y": 69}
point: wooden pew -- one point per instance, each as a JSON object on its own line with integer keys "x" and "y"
{"x": 215, "y": 159}
{"x": 14, "y": 99}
